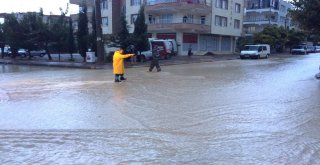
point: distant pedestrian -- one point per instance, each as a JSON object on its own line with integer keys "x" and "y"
{"x": 190, "y": 51}
{"x": 155, "y": 59}
{"x": 118, "y": 66}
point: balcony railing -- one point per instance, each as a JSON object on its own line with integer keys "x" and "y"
{"x": 201, "y": 2}
{"x": 195, "y": 7}
{"x": 184, "y": 20}
{"x": 259, "y": 20}
{"x": 179, "y": 24}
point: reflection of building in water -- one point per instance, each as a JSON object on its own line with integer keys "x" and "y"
{"x": 262, "y": 13}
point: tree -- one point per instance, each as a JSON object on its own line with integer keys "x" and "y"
{"x": 272, "y": 35}
{"x": 140, "y": 35}
{"x": 123, "y": 35}
{"x": 60, "y": 31}
{"x": 2, "y": 41}
{"x": 242, "y": 41}
{"x": 31, "y": 26}
{"x": 295, "y": 37}
{"x": 83, "y": 31}
{"x": 93, "y": 35}
{"x": 71, "y": 46}
{"x": 306, "y": 13}
{"x": 99, "y": 38}
{"x": 14, "y": 34}
{"x": 44, "y": 34}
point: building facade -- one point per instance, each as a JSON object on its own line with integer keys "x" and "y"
{"x": 262, "y": 13}
{"x": 205, "y": 25}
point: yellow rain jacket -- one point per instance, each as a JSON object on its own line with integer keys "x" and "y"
{"x": 118, "y": 66}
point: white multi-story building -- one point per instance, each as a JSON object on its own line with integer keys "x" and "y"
{"x": 205, "y": 25}
{"x": 262, "y": 13}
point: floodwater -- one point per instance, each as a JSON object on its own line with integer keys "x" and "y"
{"x": 225, "y": 112}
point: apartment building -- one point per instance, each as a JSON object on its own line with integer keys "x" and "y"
{"x": 262, "y": 13}
{"x": 205, "y": 25}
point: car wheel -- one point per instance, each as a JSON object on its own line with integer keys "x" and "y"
{"x": 241, "y": 57}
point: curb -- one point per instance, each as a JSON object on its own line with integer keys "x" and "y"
{"x": 174, "y": 61}
{"x": 53, "y": 64}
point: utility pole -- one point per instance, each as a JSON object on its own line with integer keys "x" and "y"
{"x": 100, "y": 48}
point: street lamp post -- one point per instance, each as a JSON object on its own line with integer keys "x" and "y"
{"x": 100, "y": 49}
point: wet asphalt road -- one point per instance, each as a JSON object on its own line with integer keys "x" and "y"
{"x": 225, "y": 112}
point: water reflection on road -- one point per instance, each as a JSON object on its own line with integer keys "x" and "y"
{"x": 227, "y": 112}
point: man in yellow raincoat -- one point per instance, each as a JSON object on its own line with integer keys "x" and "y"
{"x": 118, "y": 66}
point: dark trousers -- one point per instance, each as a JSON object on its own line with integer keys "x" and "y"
{"x": 155, "y": 63}
{"x": 118, "y": 77}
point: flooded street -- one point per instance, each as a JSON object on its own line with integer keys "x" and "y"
{"x": 263, "y": 111}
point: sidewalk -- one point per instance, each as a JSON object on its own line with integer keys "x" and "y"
{"x": 176, "y": 60}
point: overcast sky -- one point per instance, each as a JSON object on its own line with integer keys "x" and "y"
{"x": 9, "y": 6}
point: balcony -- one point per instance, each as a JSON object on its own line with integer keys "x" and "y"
{"x": 260, "y": 21}
{"x": 262, "y": 10}
{"x": 196, "y": 7}
{"x": 182, "y": 25}
{"x": 79, "y": 2}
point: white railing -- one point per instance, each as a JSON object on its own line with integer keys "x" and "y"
{"x": 179, "y": 21}
{"x": 202, "y": 2}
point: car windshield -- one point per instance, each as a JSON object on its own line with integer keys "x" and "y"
{"x": 253, "y": 47}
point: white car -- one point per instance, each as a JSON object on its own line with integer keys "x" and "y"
{"x": 255, "y": 51}
{"x": 145, "y": 56}
{"x": 300, "y": 49}
{"x": 22, "y": 52}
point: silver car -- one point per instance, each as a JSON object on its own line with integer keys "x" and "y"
{"x": 40, "y": 53}
{"x": 300, "y": 49}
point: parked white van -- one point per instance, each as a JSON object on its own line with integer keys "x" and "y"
{"x": 174, "y": 47}
{"x": 255, "y": 51}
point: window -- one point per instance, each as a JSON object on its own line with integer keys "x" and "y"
{"x": 104, "y": 4}
{"x": 282, "y": 8}
{"x": 105, "y": 21}
{"x": 221, "y": 21}
{"x": 203, "y": 20}
{"x": 166, "y": 18}
{"x": 187, "y": 19}
{"x": 135, "y": 2}
{"x": 133, "y": 18}
{"x": 223, "y": 4}
{"x": 237, "y": 8}
{"x": 150, "y": 18}
{"x": 237, "y": 24}
{"x": 264, "y": 48}
{"x": 251, "y": 29}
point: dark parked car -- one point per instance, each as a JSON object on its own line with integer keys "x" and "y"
{"x": 40, "y": 53}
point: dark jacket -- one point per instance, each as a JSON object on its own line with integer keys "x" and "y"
{"x": 155, "y": 54}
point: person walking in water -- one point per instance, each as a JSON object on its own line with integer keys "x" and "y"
{"x": 155, "y": 59}
{"x": 118, "y": 66}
